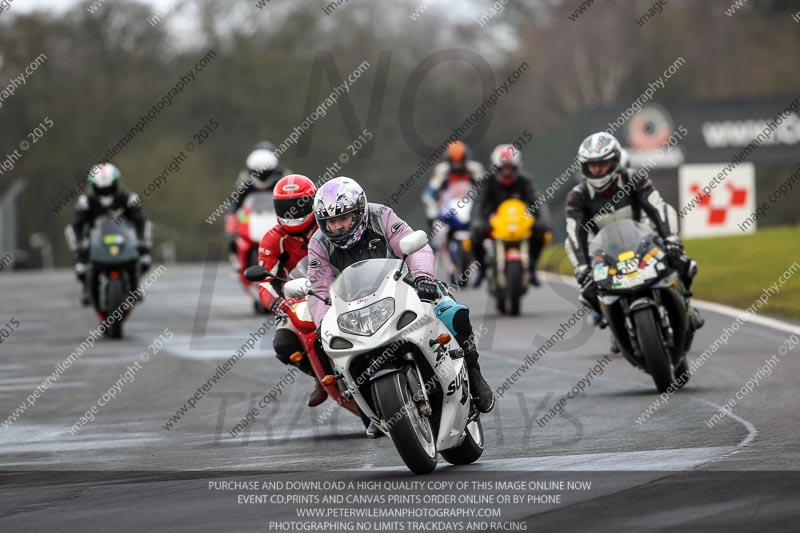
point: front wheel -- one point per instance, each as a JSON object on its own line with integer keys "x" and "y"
{"x": 116, "y": 296}
{"x": 656, "y": 357}
{"x": 411, "y": 432}
{"x": 471, "y": 449}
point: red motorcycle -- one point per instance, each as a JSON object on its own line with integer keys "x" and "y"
{"x": 255, "y": 218}
{"x": 298, "y": 314}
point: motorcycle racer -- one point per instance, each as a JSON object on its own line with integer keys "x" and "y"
{"x": 351, "y": 230}
{"x": 458, "y": 167}
{"x": 279, "y": 251}
{"x": 106, "y": 196}
{"x": 610, "y": 192}
{"x": 262, "y": 171}
{"x": 506, "y": 180}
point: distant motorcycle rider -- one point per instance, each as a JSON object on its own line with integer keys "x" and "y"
{"x": 506, "y": 180}
{"x": 280, "y": 250}
{"x": 352, "y": 230}
{"x": 610, "y": 192}
{"x": 106, "y": 196}
{"x": 262, "y": 171}
{"x": 458, "y": 167}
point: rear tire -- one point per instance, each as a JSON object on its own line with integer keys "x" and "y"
{"x": 116, "y": 295}
{"x": 656, "y": 357}
{"x": 514, "y": 283}
{"x": 411, "y": 432}
{"x": 470, "y": 450}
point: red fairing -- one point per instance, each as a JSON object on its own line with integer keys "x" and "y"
{"x": 279, "y": 252}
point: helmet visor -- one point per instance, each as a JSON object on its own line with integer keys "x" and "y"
{"x": 293, "y": 208}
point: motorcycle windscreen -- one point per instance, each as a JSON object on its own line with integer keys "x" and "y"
{"x": 619, "y": 237}
{"x": 111, "y": 242}
{"x": 260, "y": 202}
{"x": 364, "y": 278}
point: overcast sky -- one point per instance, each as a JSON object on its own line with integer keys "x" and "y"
{"x": 29, "y": 5}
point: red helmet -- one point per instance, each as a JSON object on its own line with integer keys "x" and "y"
{"x": 294, "y": 198}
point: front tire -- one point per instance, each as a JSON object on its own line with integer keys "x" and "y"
{"x": 470, "y": 450}
{"x": 656, "y": 357}
{"x": 116, "y": 295}
{"x": 411, "y": 432}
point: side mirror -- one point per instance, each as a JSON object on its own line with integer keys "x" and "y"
{"x": 414, "y": 242}
{"x": 297, "y": 288}
{"x": 256, "y": 273}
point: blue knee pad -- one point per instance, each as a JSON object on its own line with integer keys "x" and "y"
{"x": 446, "y": 311}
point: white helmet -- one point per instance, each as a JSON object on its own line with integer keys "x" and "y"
{"x": 506, "y": 154}
{"x": 261, "y": 164}
{"x": 104, "y": 180}
{"x": 597, "y": 148}
{"x": 262, "y": 161}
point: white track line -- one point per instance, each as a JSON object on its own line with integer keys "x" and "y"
{"x": 727, "y": 310}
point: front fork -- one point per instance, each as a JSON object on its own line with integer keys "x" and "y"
{"x": 668, "y": 335}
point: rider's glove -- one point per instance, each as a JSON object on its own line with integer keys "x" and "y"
{"x": 583, "y": 274}
{"x": 277, "y": 304}
{"x": 673, "y": 248}
{"x": 427, "y": 290}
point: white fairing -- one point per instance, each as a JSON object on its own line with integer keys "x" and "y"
{"x": 450, "y": 373}
{"x": 262, "y": 215}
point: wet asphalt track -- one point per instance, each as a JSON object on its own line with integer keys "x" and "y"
{"x": 125, "y": 472}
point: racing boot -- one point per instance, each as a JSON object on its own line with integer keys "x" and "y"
{"x": 86, "y": 298}
{"x": 535, "y": 279}
{"x": 479, "y": 275}
{"x": 481, "y": 391}
{"x": 318, "y": 394}
{"x": 373, "y": 432}
{"x": 695, "y": 318}
{"x": 80, "y": 273}
{"x": 614, "y": 345}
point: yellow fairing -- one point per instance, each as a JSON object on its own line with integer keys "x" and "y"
{"x": 512, "y": 221}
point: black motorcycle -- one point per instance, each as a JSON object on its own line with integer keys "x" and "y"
{"x": 643, "y": 301}
{"x": 113, "y": 259}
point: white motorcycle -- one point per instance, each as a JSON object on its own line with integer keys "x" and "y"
{"x": 398, "y": 362}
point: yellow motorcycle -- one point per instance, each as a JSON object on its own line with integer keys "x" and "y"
{"x": 508, "y": 254}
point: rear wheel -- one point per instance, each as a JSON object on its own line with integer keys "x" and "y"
{"x": 116, "y": 295}
{"x": 514, "y": 283}
{"x": 471, "y": 449}
{"x": 656, "y": 357}
{"x": 411, "y": 432}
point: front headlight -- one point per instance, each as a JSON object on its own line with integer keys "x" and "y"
{"x": 367, "y": 320}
